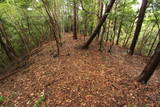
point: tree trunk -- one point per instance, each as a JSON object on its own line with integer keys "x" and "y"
{"x": 85, "y": 27}
{"x": 97, "y": 29}
{"x": 119, "y": 32}
{"x": 107, "y": 35}
{"x": 53, "y": 23}
{"x": 130, "y": 32}
{"x": 150, "y": 67}
{"x": 75, "y": 20}
{"x": 3, "y": 45}
{"x": 6, "y": 45}
{"x": 145, "y": 40}
{"x": 153, "y": 43}
{"x": 114, "y": 29}
{"x": 114, "y": 33}
{"x": 24, "y": 38}
{"x": 100, "y": 13}
{"x": 101, "y": 48}
{"x": 138, "y": 27}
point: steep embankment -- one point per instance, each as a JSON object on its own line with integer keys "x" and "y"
{"x": 80, "y": 78}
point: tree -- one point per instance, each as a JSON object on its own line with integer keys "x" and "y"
{"x": 138, "y": 26}
{"x": 75, "y": 20}
{"x": 158, "y": 33}
{"x": 54, "y": 25}
{"x": 89, "y": 16}
{"x": 98, "y": 27}
{"x": 150, "y": 67}
{"x": 6, "y": 44}
{"x": 119, "y": 32}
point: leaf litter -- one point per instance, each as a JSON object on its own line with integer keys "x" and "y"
{"x": 81, "y": 78}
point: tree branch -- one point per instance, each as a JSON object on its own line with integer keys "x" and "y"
{"x": 93, "y": 13}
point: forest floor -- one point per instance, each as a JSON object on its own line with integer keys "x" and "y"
{"x": 80, "y": 78}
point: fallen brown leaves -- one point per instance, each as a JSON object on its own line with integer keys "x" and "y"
{"x": 82, "y": 78}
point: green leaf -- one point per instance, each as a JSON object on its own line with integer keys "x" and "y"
{"x": 2, "y": 99}
{"x": 39, "y": 101}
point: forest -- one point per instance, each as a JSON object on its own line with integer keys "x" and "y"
{"x": 79, "y": 53}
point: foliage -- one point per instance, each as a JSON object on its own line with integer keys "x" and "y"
{"x": 39, "y": 101}
{"x": 2, "y": 99}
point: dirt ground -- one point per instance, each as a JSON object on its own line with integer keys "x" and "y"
{"x": 81, "y": 78}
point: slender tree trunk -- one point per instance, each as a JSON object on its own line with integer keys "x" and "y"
{"x": 150, "y": 67}
{"x": 119, "y": 32}
{"x": 53, "y": 22}
{"x": 75, "y": 20}
{"x": 6, "y": 45}
{"x": 130, "y": 32}
{"x": 85, "y": 27}
{"x": 114, "y": 32}
{"x": 97, "y": 29}
{"x": 28, "y": 25}
{"x": 124, "y": 42}
{"x": 114, "y": 29}
{"x": 153, "y": 43}
{"x": 6, "y": 40}
{"x": 138, "y": 27}
{"x": 145, "y": 40}
{"x": 127, "y": 38}
{"x": 120, "y": 25}
{"x": 107, "y": 36}
{"x": 3, "y": 45}
{"x": 24, "y": 38}
{"x": 101, "y": 48}
{"x": 100, "y": 13}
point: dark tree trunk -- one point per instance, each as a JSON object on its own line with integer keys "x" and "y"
{"x": 119, "y": 32}
{"x": 138, "y": 27}
{"x": 3, "y": 45}
{"x": 150, "y": 67}
{"x": 75, "y": 21}
{"x": 97, "y": 29}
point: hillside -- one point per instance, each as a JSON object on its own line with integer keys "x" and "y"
{"x": 80, "y": 78}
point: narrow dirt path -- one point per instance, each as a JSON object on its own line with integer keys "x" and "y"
{"x": 80, "y": 78}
